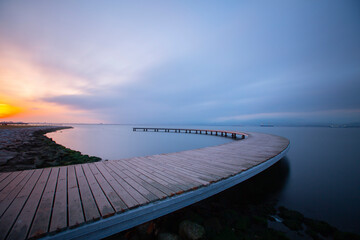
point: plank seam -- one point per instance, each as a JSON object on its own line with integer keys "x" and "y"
{"x": 16, "y": 195}
{"x": 103, "y": 192}
{"x": 111, "y": 188}
{"x": 91, "y": 191}
{"x": 53, "y": 201}
{"x": 22, "y": 207}
{"x": 38, "y": 204}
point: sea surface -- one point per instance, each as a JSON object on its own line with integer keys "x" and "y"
{"x": 322, "y": 178}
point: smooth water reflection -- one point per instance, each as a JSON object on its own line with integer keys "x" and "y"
{"x": 322, "y": 174}
{"x": 119, "y": 141}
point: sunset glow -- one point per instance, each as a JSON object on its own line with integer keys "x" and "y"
{"x": 7, "y": 110}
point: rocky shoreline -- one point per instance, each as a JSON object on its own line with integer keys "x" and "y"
{"x": 26, "y": 147}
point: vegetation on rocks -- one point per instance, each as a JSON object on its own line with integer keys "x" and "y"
{"x": 28, "y": 148}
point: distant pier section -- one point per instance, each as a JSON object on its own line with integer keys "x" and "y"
{"x": 223, "y": 133}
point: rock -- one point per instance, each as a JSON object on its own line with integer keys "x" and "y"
{"x": 168, "y": 236}
{"x": 290, "y": 214}
{"x": 320, "y": 227}
{"x": 242, "y": 223}
{"x": 146, "y": 230}
{"x": 38, "y": 162}
{"x": 191, "y": 231}
{"x": 5, "y": 156}
{"x": 212, "y": 225}
{"x": 292, "y": 219}
{"x": 227, "y": 234}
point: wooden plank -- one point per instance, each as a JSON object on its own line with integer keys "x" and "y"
{"x": 143, "y": 191}
{"x": 10, "y": 187}
{"x": 4, "y": 175}
{"x": 165, "y": 179}
{"x": 182, "y": 181}
{"x": 204, "y": 180}
{"x": 188, "y": 179}
{"x": 144, "y": 183}
{"x": 104, "y": 206}
{"x": 75, "y": 212}
{"x": 5, "y": 203}
{"x": 158, "y": 183}
{"x": 158, "y": 176}
{"x": 201, "y": 160}
{"x": 212, "y": 160}
{"x": 24, "y": 220}
{"x": 130, "y": 189}
{"x": 177, "y": 163}
{"x": 205, "y": 168}
{"x": 59, "y": 216}
{"x": 91, "y": 210}
{"x": 110, "y": 193}
{"x": 9, "y": 217}
{"x": 8, "y": 180}
{"x": 125, "y": 196}
{"x": 210, "y": 163}
{"x": 41, "y": 221}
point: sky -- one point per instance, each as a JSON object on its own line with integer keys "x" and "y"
{"x": 180, "y": 62}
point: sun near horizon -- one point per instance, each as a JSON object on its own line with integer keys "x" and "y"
{"x": 7, "y": 110}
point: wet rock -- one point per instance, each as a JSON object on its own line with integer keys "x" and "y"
{"x": 346, "y": 236}
{"x": 194, "y": 217}
{"x": 212, "y": 225}
{"x": 320, "y": 227}
{"x": 227, "y": 234}
{"x": 290, "y": 214}
{"x": 168, "y": 236}
{"x": 190, "y": 230}
{"x": 261, "y": 221}
{"x": 5, "y": 156}
{"x": 146, "y": 230}
{"x": 38, "y": 162}
{"x": 242, "y": 223}
{"x": 230, "y": 216}
{"x": 292, "y": 219}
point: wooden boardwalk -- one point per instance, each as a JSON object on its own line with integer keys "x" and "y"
{"x": 95, "y": 200}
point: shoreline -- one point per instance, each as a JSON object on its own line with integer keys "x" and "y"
{"x": 27, "y": 147}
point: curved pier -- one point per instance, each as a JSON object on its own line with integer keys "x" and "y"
{"x": 96, "y": 200}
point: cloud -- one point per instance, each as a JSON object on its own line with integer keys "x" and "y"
{"x": 84, "y": 102}
{"x": 314, "y": 115}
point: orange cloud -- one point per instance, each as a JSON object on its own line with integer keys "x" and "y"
{"x": 7, "y": 110}
{"x": 25, "y": 83}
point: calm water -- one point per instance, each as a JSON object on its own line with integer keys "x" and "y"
{"x": 323, "y": 178}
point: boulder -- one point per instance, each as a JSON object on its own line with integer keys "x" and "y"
{"x": 168, "y": 236}
{"x": 190, "y": 230}
{"x": 5, "y": 156}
